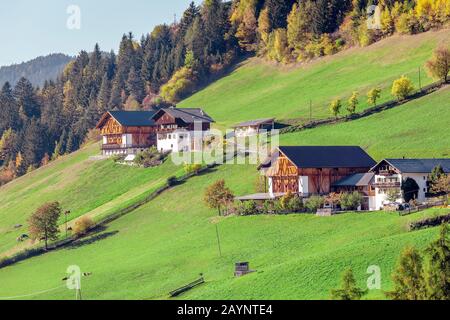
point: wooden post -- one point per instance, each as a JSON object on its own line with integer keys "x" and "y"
{"x": 310, "y": 110}
{"x": 218, "y": 241}
{"x": 420, "y": 81}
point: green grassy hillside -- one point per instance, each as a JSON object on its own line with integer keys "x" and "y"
{"x": 168, "y": 242}
{"x": 81, "y": 185}
{"x": 415, "y": 129}
{"x": 257, "y": 89}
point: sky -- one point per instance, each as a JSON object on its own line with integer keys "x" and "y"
{"x": 32, "y": 28}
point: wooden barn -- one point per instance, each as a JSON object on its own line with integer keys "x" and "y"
{"x": 313, "y": 169}
{"x": 127, "y": 132}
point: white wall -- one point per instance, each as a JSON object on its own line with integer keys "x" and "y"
{"x": 246, "y": 131}
{"x": 127, "y": 139}
{"x": 175, "y": 142}
{"x": 271, "y": 186}
{"x": 303, "y": 184}
{"x": 420, "y": 178}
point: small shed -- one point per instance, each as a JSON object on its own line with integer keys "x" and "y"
{"x": 253, "y": 127}
{"x": 241, "y": 269}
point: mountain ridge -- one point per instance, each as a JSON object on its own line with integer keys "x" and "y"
{"x": 36, "y": 70}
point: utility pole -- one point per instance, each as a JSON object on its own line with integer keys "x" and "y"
{"x": 78, "y": 294}
{"x": 420, "y": 80}
{"x": 310, "y": 110}
{"x": 218, "y": 240}
{"x": 65, "y": 215}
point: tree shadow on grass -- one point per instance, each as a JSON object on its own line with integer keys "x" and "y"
{"x": 91, "y": 239}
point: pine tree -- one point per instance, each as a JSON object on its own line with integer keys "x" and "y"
{"x": 438, "y": 269}
{"x": 70, "y": 143}
{"x": 214, "y": 22}
{"x": 135, "y": 85}
{"x": 349, "y": 290}
{"x": 408, "y": 278}
{"x": 104, "y": 94}
{"x": 33, "y": 148}
{"x": 9, "y": 116}
{"x": 278, "y": 12}
{"x": 189, "y": 15}
{"x": 115, "y": 99}
{"x": 26, "y": 99}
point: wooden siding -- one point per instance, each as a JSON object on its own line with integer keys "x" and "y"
{"x": 111, "y": 127}
{"x": 285, "y": 176}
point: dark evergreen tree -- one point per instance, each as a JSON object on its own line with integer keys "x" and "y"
{"x": 278, "y": 12}
{"x": 34, "y": 143}
{"x": 9, "y": 115}
{"x": 188, "y": 18}
{"x": 214, "y": 26}
{"x": 70, "y": 143}
{"x": 438, "y": 269}
{"x": 135, "y": 85}
{"x": 104, "y": 94}
{"x": 26, "y": 99}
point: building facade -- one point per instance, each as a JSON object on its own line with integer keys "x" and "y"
{"x": 254, "y": 127}
{"x": 181, "y": 130}
{"x": 390, "y": 174}
{"x": 313, "y": 170}
{"x": 170, "y": 129}
{"x": 126, "y": 132}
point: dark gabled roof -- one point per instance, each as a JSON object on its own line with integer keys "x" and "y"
{"x": 134, "y": 118}
{"x": 328, "y": 157}
{"x": 417, "y": 165}
{"x": 355, "y": 180}
{"x": 188, "y": 115}
{"x": 254, "y": 123}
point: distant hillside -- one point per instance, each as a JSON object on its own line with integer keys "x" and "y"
{"x": 37, "y": 70}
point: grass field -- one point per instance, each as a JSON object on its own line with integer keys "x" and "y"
{"x": 81, "y": 185}
{"x": 415, "y": 129}
{"x": 168, "y": 242}
{"x": 258, "y": 90}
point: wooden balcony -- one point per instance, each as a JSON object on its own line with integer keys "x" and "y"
{"x": 385, "y": 172}
{"x": 388, "y": 184}
{"x": 124, "y": 146}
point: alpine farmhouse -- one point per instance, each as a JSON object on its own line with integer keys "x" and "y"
{"x": 389, "y": 174}
{"x": 317, "y": 170}
{"x": 169, "y": 129}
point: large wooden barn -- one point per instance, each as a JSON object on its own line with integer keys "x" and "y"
{"x": 313, "y": 169}
{"x": 127, "y": 132}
